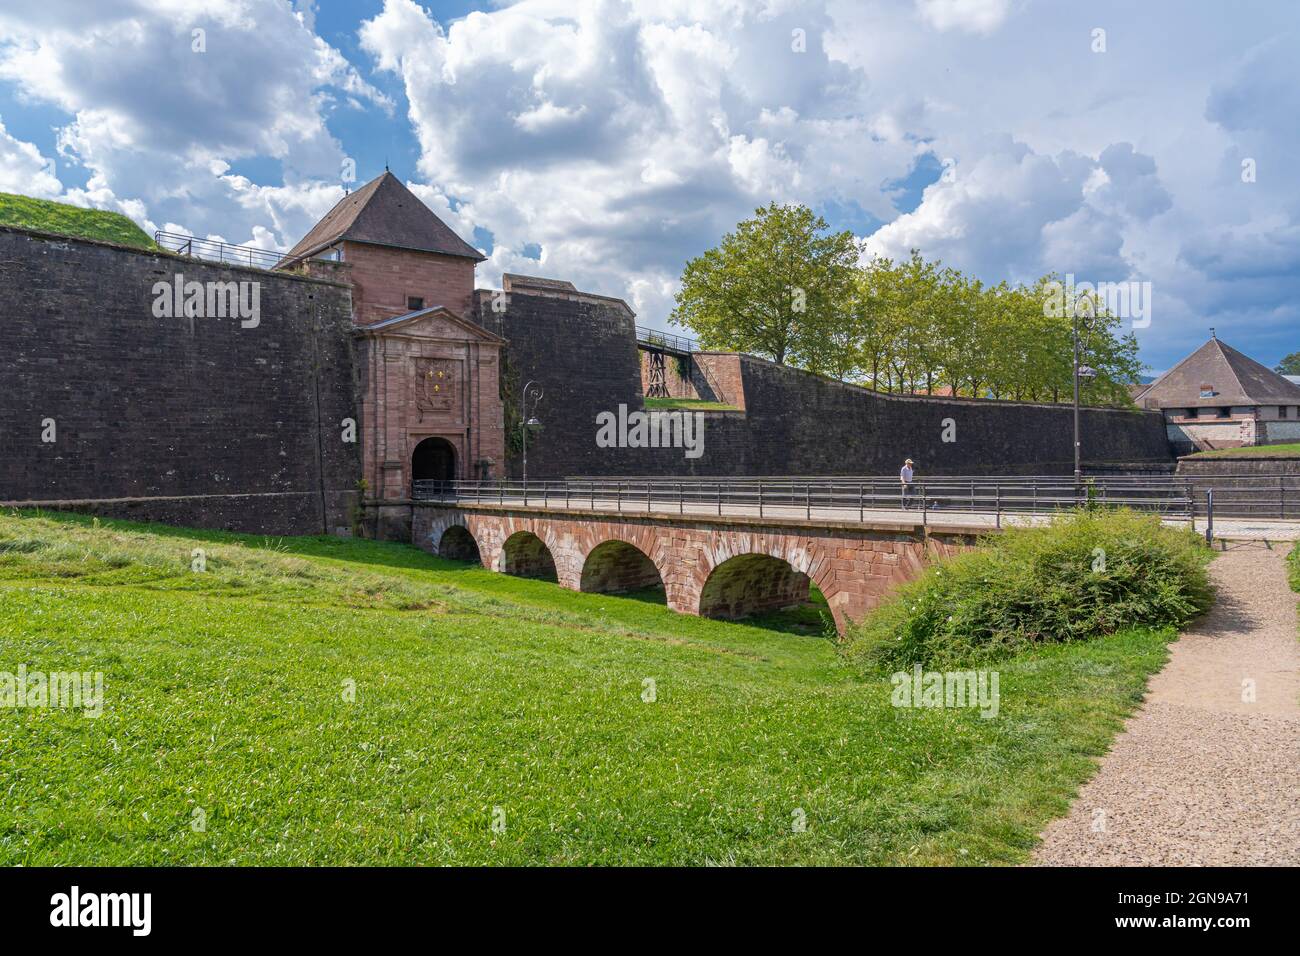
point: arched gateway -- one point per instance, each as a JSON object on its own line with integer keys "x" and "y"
{"x": 434, "y": 459}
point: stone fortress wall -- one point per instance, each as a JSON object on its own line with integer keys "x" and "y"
{"x": 189, "y": 420}
{"x": 202, "y": 421}
{"x": 582, "y": 350}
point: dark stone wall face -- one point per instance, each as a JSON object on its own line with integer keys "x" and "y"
{"x": 526, "y": 556}
{"x": 829, "y": 428}
{"x": 192, "y": 421}
{"x": 752, "y": 584}
{"x": 616, "y": 567}
{"x": 792, "y": 423}
{"x": 458, "y": 544}
{"x": 1252, "y": 486}
{"x": 584, "y": 356}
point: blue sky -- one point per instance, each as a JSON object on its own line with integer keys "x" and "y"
{"x": 607, "y": 142}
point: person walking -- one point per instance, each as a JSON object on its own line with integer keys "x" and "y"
{"x": 905, "y": 478}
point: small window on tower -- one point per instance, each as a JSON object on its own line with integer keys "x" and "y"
{"x": 414, "y": 303}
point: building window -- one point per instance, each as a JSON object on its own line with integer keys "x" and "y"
{"x": 1224, "y": 413}
{"x": 414, "y": 303}
{"x": 1283, "y": 411}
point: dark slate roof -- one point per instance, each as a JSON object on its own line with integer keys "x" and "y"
{"x": 386, "y": 213}
{"x": 1235, "y": 379}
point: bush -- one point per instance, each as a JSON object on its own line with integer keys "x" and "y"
{"x": 1089, "y": 573}
{"x": 1295, "y": 566}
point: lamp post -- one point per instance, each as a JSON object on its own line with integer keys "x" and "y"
{"x": 531, "y": 391}
{"x": 1082, "y": 373}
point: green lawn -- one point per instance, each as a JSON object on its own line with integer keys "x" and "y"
{"x": 1291, "y": 449}
{"x": 60, "y": 218}
{"x": 689, "y": 404}
{"x": 225, "y": 694}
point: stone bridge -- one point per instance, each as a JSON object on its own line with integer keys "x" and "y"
{"x": 723, "y": 566}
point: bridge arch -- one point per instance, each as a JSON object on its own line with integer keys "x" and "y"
{"x": 853, "y": 567}
{"x": 752, "y": 583}
{"x": 457, "y": 543}
{"x": 525, "y": 555}
{"x": 615, "y": 566}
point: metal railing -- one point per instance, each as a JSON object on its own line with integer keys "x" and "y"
{"x": 215, "y": 251}
{"x": 666, "y": 340}
{"x": 1271, "y": 497}
{"x": 840, "y": 499}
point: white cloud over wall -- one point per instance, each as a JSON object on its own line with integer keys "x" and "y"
{"x": 24, "y": 170}
{"x": 621, "y": 137}
{"x": 976, "y": 16}
{"x": 160, "y": 111}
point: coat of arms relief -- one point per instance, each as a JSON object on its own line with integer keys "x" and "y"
{"x": 436, "y": 384}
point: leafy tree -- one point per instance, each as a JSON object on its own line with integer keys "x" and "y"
{"x": 875, "y": 342}
{"x": 785, "y": 287}
{"x": 779, "y": 286}
{"x": 1111, "y": 355}
{"x": 1289, "y": 365}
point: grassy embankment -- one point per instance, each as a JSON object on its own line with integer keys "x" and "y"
{"x": 689, "y": 405}
{"x": 65, "y": 220}
{"x": 1290, "y": 450}
{"x": 228, "y": 735}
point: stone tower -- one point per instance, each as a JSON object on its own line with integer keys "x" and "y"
{"x": 431, "y": 404}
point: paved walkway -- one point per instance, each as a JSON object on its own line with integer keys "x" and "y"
{"x": 1200, "y": 776}
{"x": 947, "y": 518}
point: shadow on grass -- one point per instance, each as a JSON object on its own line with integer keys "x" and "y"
{"x": 389, "y": 554}
{"x": 810, "y": 619}
{"x": 813, "y": 618}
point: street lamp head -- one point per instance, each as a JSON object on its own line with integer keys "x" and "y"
{"x": 1087, "y": 373}
{"x": 533, "y": 423}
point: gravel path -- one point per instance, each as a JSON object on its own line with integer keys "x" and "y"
{"x": 1200, "y": 776}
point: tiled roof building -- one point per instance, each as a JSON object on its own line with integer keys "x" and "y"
{"x": 1219, "y": 398}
